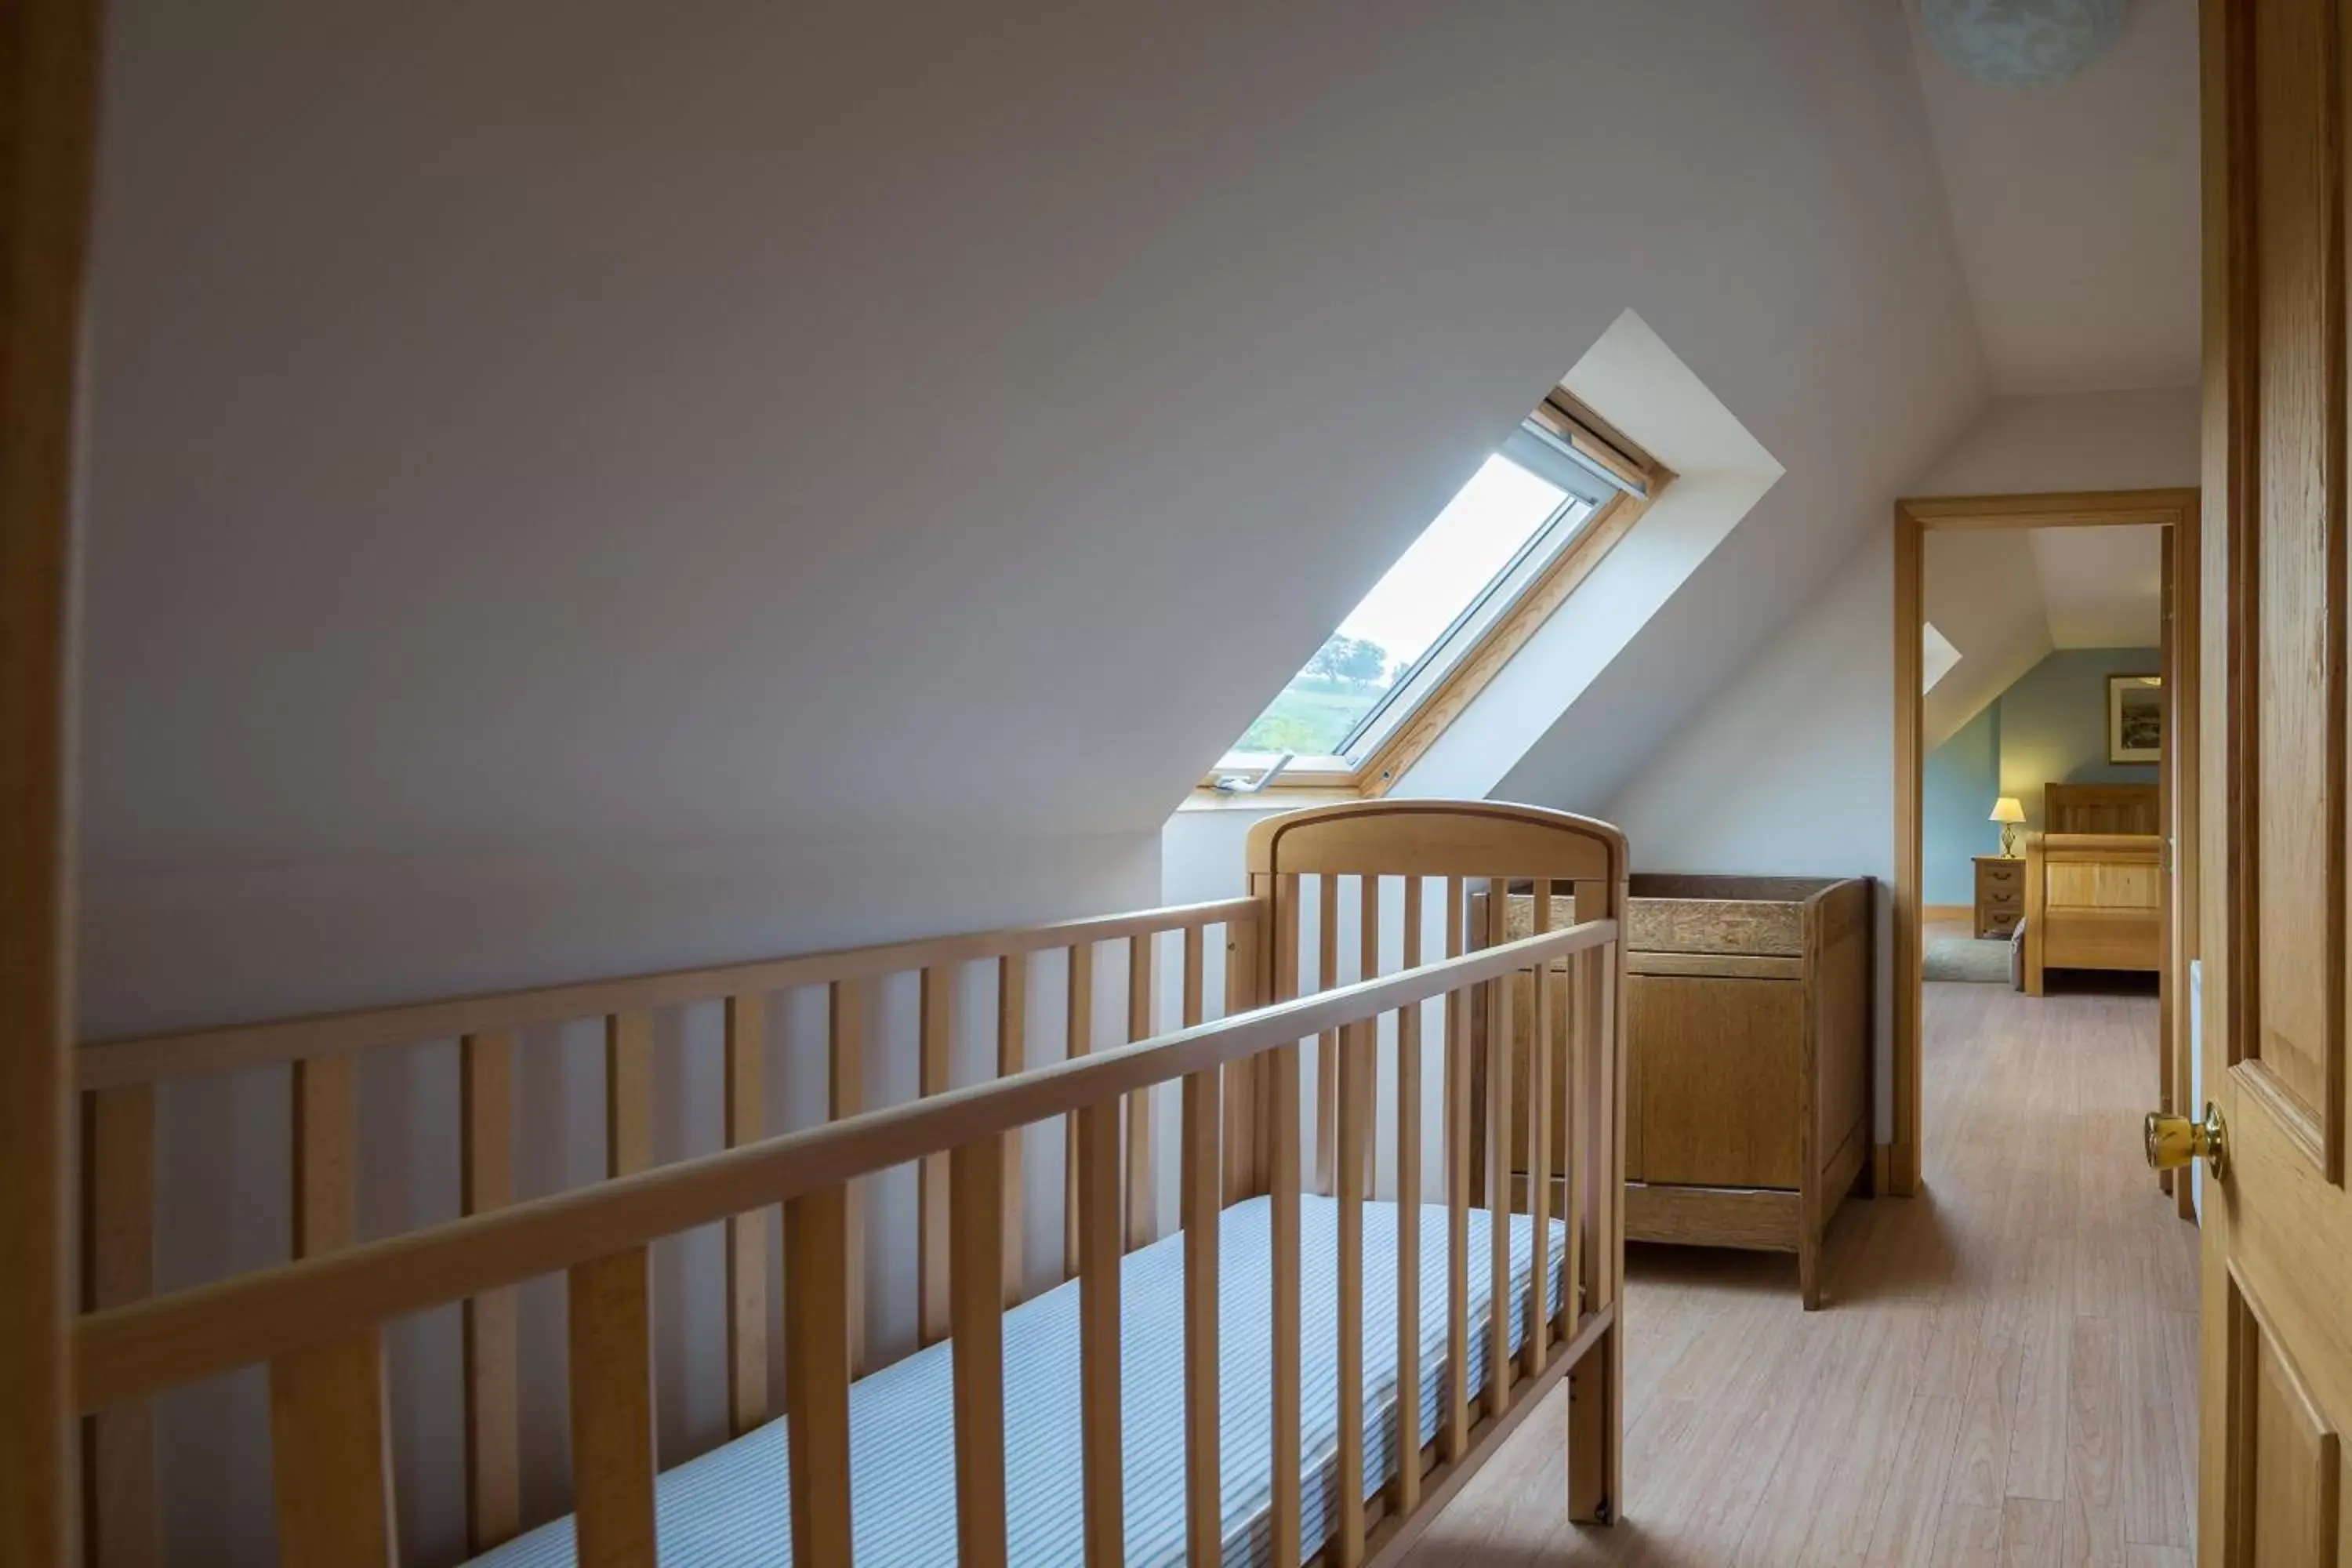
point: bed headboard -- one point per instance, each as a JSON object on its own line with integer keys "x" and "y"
{"x": 2100, "y": 808}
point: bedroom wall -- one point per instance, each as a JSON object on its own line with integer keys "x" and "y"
{"x": 1956, "y": 788}
{"x": 2054, "y": 724}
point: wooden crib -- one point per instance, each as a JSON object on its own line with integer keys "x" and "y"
{"x": 1381, "y": 879}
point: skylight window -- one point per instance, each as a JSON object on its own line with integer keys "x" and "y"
{"x": 1502, "y": 532}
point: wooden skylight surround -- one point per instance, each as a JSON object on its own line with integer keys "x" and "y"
{"x": 1432, "y": 690}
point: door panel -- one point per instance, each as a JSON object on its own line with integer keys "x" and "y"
{"x": 2276, "y": 1359}
{"x": 2289, "y": 1485}
{"x": 2295, "y": 569}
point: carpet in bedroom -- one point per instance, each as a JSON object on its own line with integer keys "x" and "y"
{"x": 1965, "y": 958}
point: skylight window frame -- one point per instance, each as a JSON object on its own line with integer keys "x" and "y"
{"x": 1565, "y": 445}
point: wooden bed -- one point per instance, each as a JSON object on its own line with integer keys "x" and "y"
{"x": 2095, "y": 883}
{"x": 1385, "y": 965}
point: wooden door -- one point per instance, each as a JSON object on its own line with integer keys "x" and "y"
{"x": 2276, "y": 1364}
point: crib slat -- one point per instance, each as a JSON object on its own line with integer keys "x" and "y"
{"x": 1457, "y": 1189}
{"x": 1201, "y": 1205}
{"x": 1142, "y": 1200}
{"x": 819, "y": 1288}
{"x": 326, "y": 1115}
{"x": 976, "y": 1312}
{"x": 1408, "y": 1217}
{"x": 1368, "y": 967}
{"x": 1539, "y": 1040}
{"x": 1354, "y": 1071}
{"x": 1078, "y": 1023}
{"x": 1246, "y": 979}
{"x": 1571, "y": 1102}
{"x": 330, "y": 1455}
{"x": 747, "y": 1234}
{"x": 491, "y": 1345}
{"x": 1326, "y": 1045}
{"x": 1595, "y": 1422}
{"x": 1282, "y": 1186}
{"x": 846, "y": 1053}
{"x": 1194, "y": 983}
{"x": 123, "y": 1522}
{"x": 1098, "y": 1346}
{"x": 1011, "y": 1056}
{"x": 628, "y": 1093}
{"x": 1498, "y": 1158}
{"x": 610, "y": 1303}
{"x": 937, "y": 1048}
{"x": 1283, "y": 1135}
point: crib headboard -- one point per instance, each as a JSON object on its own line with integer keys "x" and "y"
{"x": 2100, "y": 808}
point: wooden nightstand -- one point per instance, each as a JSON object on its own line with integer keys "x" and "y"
{"x": 2000, "y": 894}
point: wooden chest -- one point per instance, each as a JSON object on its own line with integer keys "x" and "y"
{"x": 1748, "y": 1096}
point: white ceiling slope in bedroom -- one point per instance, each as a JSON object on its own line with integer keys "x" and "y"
{"x": 2074, "y": 207}
{"x": 2103, "y": 587}
{"x": 537, "y": 431}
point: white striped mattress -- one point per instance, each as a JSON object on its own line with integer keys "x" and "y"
{"x": 730, "y": 1506}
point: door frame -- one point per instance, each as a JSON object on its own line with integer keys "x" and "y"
{"x": 2176, "y": 509}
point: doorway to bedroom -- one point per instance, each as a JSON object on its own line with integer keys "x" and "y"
{"x": 2046, "y": 694}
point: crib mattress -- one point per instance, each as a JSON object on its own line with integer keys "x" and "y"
{"x": 730, "y": 1506}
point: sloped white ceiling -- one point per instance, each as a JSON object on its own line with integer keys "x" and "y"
{"x": 2104, "y": 587}
{"x": 2075, "y": 208}
{"x": 544, "y": 426}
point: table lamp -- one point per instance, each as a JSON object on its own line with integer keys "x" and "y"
{"x": 2008, "y": 813}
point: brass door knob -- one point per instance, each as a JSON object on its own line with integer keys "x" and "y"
{"x": 2175, "y": 1141}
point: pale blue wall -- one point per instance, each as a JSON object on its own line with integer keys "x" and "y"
{"x": 2051, "y": 724}
{"x": 2054, "y": 724}
{"x": 1957, "y": 792}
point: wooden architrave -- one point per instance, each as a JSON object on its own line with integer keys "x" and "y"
{"x": 48, "y": 114}
{"x": 1897, "y": 1163}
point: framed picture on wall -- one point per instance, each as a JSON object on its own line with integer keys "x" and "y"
{"x": 2134, "y": 718}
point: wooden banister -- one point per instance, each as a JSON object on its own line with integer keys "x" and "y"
{"x": 127, "y": 1352}
{"x": 112, "y": 1063}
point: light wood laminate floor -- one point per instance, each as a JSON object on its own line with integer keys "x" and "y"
{"x": 2005, "y": 1375}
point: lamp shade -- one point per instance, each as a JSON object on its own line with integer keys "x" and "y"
{"x": 2008, "y": 809}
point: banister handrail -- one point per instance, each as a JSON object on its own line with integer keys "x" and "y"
{"x": 116, "y": 1064}
{"x": 136, "y": 1351}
